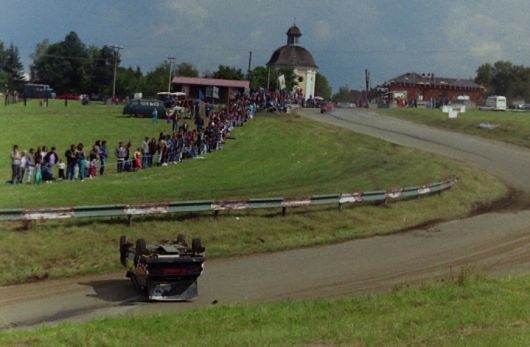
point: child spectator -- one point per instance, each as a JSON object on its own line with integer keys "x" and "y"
{"x": 38, "y": 173}
{"x": 92, "y": 168}
{"x": 30, "y": 164}
{"x": 62, "y": 167}
{"x": 138, "y": 159}
{"x": 23, "y": 163}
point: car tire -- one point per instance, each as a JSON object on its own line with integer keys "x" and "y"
{"x": 124, "y": 249}
{"x": 196, "y": 245}
{"x": 181, "y": 239}
{"x": 141, "y": 248}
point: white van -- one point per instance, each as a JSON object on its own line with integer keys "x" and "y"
{"x": 496, "y": 103}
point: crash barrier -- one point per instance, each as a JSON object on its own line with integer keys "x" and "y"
{"x": 35, "y": 214}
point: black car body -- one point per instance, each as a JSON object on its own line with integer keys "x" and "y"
{"x": 165, "y": 271}
{"x": 144, "y": 108}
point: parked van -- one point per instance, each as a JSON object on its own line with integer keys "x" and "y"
{"x": 496, "y": 103}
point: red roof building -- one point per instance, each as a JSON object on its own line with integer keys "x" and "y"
{"x": 427, "y": 87}
{"x": 201, "y": 88}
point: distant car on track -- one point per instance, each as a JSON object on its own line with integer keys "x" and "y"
{"x": 164, "y": 271}
{"x": 327, "y": 107}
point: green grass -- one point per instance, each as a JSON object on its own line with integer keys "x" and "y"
{"x": 514, "y": 127}
{"x": 270, "y": 156}
{"x": 464, "y": 311}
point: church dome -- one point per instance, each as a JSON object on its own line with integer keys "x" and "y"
{"x": 289, "y": 55}
{"x": 292, "y": 54}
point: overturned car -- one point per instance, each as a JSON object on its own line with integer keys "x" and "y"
{"x": 164, "y": 271}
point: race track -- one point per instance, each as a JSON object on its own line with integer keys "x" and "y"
{"x": 498, "y": 242}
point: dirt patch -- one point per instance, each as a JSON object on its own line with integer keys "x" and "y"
{"x": 515, "y": 200}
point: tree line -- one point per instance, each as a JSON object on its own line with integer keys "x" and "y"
{"x": 72, "y": 67}
{"x": 11, "y": 69}
{"x": 506, "y": 79}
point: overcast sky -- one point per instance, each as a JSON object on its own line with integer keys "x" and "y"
{"x": 387, "y": 37}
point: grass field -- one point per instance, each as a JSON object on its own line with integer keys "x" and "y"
{"x": 514, "y": 127}
{"x": 464, "y": 311}
{"x": 270, "y": 156}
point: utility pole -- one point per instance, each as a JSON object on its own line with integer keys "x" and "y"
{"x": 171, "y": 60}
{"x": 367, "y": 81}
{"x": 116, "y": 53}
{"x": 249, "y": 66}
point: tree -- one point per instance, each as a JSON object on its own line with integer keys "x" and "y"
{"x": 103, "y": 71}
{"x": 62, "y": 65}
{"x": 322, "y": 87}
{"x": 343, "y": 95}
{"x": 13, "y": 68}
{"x": 156, "y": 80}
{"x": 485, "y": 75}
{"x": 3, "y": 75}
{"x": 228, "y": 73}
{"x": 259, "y": 78}
{"x": 129, "y": 81}
{"x": 40, "y": 50}
{"x": 505, "y": 78}
{"x": 263, "y": 74}
{"x": 186, "y": 70}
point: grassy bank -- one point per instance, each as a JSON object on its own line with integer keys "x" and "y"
{"x": 270, "y": 156}
{"x": 464, "y": 311}
{"x": 513, "y": 127}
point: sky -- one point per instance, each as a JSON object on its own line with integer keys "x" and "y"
{"x": 449, "y": 38}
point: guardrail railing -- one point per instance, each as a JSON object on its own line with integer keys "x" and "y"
{"x": 130, "y": 210}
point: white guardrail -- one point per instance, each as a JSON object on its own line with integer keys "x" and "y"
{"x": 34, "y": 214}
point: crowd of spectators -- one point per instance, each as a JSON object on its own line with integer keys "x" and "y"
{"x": 181, "y": 142}
{"x": 38, "y": 165}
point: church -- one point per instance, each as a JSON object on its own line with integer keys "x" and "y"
{"x": 294, "y": 56}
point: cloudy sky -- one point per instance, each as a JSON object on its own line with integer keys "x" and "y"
{"x": 388, "y": 37}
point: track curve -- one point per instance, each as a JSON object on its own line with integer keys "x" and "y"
{"x": 495, "y": 242}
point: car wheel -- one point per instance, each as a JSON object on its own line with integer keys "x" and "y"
{"x": 124, "y": 249}
{"x": 196, "y": 245}
{"x": 141, "y": 248}
{"x": 181, "y": 239}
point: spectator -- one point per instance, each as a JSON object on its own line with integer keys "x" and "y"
{"x": 23, "y": 162}
{"x": 62, "y": 167}
{"x": 81, "y": 161}
{"x": 30, "y": 164}
{"x": 121, "y": 153}
{"x": 15, "y": 164}
{"x": 103, "y": 154}
{"x": 145, "y": 152}
{"x": 71, "y": 162}
{"x": 47, "y": 173}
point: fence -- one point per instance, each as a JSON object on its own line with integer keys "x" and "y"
{"x": 34, "y": 214}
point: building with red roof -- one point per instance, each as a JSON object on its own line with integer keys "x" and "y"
{"x": 209, "y": 88}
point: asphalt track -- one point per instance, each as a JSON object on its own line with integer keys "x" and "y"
{"x": 497, "y": 242}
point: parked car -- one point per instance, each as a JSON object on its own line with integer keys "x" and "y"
{"x": 69, "y": 97}
{"x": 144, "y": 108}
{"x": 164, "y": 271}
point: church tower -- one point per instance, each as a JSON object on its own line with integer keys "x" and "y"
{"x": 297, "y": 57}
